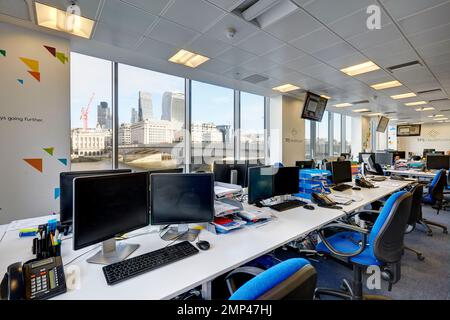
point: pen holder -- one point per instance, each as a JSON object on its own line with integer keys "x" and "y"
{"x": 43, "y": 248}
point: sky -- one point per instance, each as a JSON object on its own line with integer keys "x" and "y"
{"x": 210, "y": 103}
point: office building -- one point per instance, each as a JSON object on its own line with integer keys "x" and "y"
{"x": 313, "y": 110}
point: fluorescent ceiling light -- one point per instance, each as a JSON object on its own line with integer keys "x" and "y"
{"x": 188, "y": 59}
{"x": 326, "y": 97}
{"x": 417, "y": 103}
{"x": 441, "y": 119}
{"x": 439, "y": 115}
{"x": 403, "y": 96}
{"x": 343, "y": 105}
{"x": 286, "y": 88}
{"x": 375, "y": 114}
{"x": 393, "y": 119}
{"x": 425, "y": 109}
{"x": 277, "y": 10}
{"x": 386, "y": 85}
{"x": 360, "y": 68}
{"x": 50, "y": 17}
{"x": 361, "y": 110}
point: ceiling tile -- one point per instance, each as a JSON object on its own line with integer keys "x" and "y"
{"x": 328, "y": 11}
{"x": 118, "y": 15}
{"x": 172, "y": 33}
{"x": 302, "y": 63}
{"x": 88, "y": 7}
{"x": 228, "y": 5}
{"x": 373, "y": 77}
{"x": 277, "y": 71}
{"x": 257, "y": 63}
{"x": 348, "y": 60}
{"x": 243, "y": 29}
{"x": 156, "y": 49}
{"x": 431, "y": 36}
{"x": 284, "y": 54}
{"x": 336, "y": 51}
{"x": 112, "y": 36}
{"x": 14, "y": 9}
{"x": 208, "y": 46}
{"x": 376, "y": 37}
{"x": 235, "y": 56}
{"x": 215, "y": 66}
{"x": 293, "y": 26}
{"x": 400, "y": 9}
{"x": 153, "y": 6}
{"x": 195, "y": 14}
{"x": 431, "y": 18}
{"x": 238, "y": 73}
{"x": 259, "y": 43}
{"x": 435, "y": 49}
{"x": 316, "y": 40}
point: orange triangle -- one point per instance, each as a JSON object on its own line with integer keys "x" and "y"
{"x": 36, "y": 75}
{"x": 35, "y": 163}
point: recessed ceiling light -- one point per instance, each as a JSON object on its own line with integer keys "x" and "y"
{"x": 286, "y": 88}
{"x": 361, "y": 110}
{"x": 386, "y": 85}
{"x": 403, "y": 96}
{"x": 326, "y": 97}
{"x": 343, "y": 105}
{"x": 416, "y": 103}
{"x": 69, "y": 22}
{"x": 425, "y": 109}
{"x": 360, "y": 68}
{"x": 188, "y": 59}
{"x": 375, "y": 114}
{"x": 402, "y": 122}
{"x": 439, "y": 115}
{"x": 440, "y": 119}
{"x": 394, "y": 119}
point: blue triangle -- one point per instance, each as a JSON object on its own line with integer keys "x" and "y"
{"x": 63, "y": 161}
{"x": 20, "y": 81}
{"x": 57, "y": 192}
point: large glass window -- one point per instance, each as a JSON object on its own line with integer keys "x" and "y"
{"x": 322, "y": 142}
{"x": 212, "y": 129}
{"x": 252, "y": 127}
{"x": 337, "y": 125}
{"x": 91, "y": 116}
{"x": 308, "y": 139}
{"x": 151, "y": 119}
{"x": 348, "y": 134}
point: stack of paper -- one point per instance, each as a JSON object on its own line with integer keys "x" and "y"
{"x": 226, "y": 190}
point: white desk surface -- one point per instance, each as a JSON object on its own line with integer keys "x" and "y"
{"x": 226, "y": 253}
{"x": 413, "y": 173}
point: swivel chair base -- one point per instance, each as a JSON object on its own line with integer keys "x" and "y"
{"x": 417, "y": 252}
{"x": 427, "y": 223}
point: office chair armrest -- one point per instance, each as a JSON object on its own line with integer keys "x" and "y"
{"x": 247, "y": 270}
{"x": 351, "y": 215}
{"x": 362, "y": 231}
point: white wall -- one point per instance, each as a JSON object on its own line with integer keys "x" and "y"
{"x": 293, "y": 131}
{"x": 33, "y": 115}
{"x": 356, "y": 142}
{"x": 432, "y": 136}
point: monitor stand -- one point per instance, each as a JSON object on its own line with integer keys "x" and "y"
{"x": 182, "y": 233}
{"x": 112, "y": 253}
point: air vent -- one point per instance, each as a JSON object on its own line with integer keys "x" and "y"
{"x": 360, "y": 102}
{"x": 446, "y": 110}
{"x": 429, "y": 91}
{"x": 439, "y": 100}
{"x": 264, "y": 12}
{"x": 255, "y": 78}
{"x": 404, "y": 65}
{"x": 390, "y": 112}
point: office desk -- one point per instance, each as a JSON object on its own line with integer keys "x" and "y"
{"x": 227, "y": 252}
{"x": 412, "y": 173}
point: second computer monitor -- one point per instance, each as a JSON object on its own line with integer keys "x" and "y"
{"x": 438, "y": 162}
{"x": 305, "y": 164}
{"x": 341, "y": 171}
{"x": 260, "y": 183}
{"x": 286, "y": 181}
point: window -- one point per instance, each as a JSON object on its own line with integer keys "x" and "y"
{"x": 151, "y": 119}
{"x": 348, "y": 134}
{"x": 212, "y": 129}
{"x": 322, "y": 142}
{"x": 337, "y": 145}
{"x": 91, "y": 116}
{"x": 252, "y": 127}
{"x": 308, "y": 139}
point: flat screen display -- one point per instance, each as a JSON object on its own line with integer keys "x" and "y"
{"x": 260, "y": 183}
{"x": 314, "y": 107}
{"x": 382, "y": 124}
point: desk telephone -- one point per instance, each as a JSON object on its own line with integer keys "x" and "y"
{"x": 35, "y": 279}
{"x": 323, "y": 201}
{"x": 364, "y": 183}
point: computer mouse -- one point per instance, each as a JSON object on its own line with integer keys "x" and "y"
{"x": 203, "y": 245}
{"x": 356, "y": 188}
{"x": 309, "y": 207}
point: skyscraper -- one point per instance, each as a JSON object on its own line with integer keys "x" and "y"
{"x": 145, "y": 106}
{"x": 134, "y": 115}
{"x": 173, "y": 106}
{"x": 104, "y": 119}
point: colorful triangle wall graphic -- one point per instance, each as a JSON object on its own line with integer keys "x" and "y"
{"x": 32, "y": 64}
{"x": 36, "y": 75}
{"x": 3, "y": 52}
{"x": 35, "y": 163}
{"x": 62, "y": 57}
{"x": 20, "y": 81}
{"x": 51, "y": 50}
{"x": 63, "y": 161}
{"x": 49, "y": 150}
{"x": 57, "y": 193}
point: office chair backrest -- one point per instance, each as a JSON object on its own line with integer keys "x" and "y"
{"x": 293, "y": 279}
{"x": 436, "y": 188}
{"x": 386, "y": 236}
{"x": 416, "y": 205}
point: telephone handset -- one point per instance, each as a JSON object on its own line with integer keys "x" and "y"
{"x": 35, "y": 279}
{"x": 323, "y": 200}
{"x": 364, "y": 183}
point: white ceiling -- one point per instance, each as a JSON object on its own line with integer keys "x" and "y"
{"x": 306, "y": 48}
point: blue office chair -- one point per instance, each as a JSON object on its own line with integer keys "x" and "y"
{"x": 382, "y": 246}
{"x": 435, "y": 195}
{"x": 290, "y": 279}
{"x": 278, "y": 165}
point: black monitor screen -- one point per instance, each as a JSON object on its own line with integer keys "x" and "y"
{"x": 365, "y": 156}
{"x": 342, "y": 171}
{"x": 427, "y": 151}
{"x": 438, "y": 162}
{"x": 382, "y": 124}
{"x": 182, "y": 198}
{"x": 314, "y": 107}
{"x": 66, "y": 190}
{"x": 222, "y": 172}
{"x": 260, "y": 183}
{"x": 305, "y": 164}
{"x": 400, "y": 154}
{"x": 384, "y": 158}
{"x": 286, "y": 181}
{"x": 105, "y": 206}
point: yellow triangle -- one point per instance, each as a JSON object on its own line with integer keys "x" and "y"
{"x": 61, "y": 57}
{"x": 32, "y": 64}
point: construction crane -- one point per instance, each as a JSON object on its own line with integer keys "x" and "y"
{"x": 85, "y": 113}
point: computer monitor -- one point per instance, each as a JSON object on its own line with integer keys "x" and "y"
{"x": 384, "y": 158}
{"x": 364, "y": 157}
{"x": 382, "y": 124}
{"x": 106, "y": 206}
{"x": 260, "y": 183}
{"x": 181, "y": 199}
{"x": 441, "y": 153}
{"x": 235, "y": 172}
{"x": 305, "y": 164}
{"x": 286, "y": 181}
{"x": 341, "y": 172}
{"x": 347, "y": 156}
{"x": 438, "y": 162}
{"x": 66, "y": 190}
{"x": 427, "y": 151}
{"x": 400, "y": 154}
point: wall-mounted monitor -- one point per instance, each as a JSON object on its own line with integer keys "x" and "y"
{"x": 408, "y": 130}
{"x": 314, "y": 107}
{"x": 382, "y": 124}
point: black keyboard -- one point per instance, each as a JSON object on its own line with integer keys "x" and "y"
{"x": 290, "y": 204}
{"x": 342, "y": 187}
{"x": 132, "y": 267}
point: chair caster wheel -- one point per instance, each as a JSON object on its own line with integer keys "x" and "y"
{"x": 429, "y": 234}
{"x": 421, "y": 258}
{"x": 445, "y": 231}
